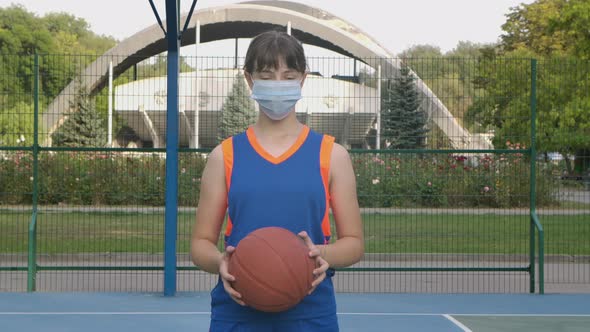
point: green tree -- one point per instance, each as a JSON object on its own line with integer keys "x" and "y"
{"x": 238, "y": 110}
{"x": 528, "y": 25}
{"x": 84, "y": 127}
{"x": 466, "y": 49}
{"x": 549, "y": 27}
{"x": 52, "y": 37}
{"x": 426, "y": 61}
{"x": 504, "y": 107}
{"x": 421, "y": 51}
{"x": 21, "y": 35}
{"x": 403, "y": 122}
{"x": 555, "y": 32}
{"x": 573, "y": 22}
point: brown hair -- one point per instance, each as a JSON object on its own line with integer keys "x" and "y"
{"x": 266, "y": 50}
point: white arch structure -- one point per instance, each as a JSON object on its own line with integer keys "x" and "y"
{"x": 245, "y": 20}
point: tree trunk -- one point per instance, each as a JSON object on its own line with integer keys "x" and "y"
{"x": 582, "y": 162}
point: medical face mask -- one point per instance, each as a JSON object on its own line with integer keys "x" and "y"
{"x": 276, "y": 98}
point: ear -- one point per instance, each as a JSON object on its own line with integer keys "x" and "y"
{"x": 303, "y": 78}
{"x": 249, "y": 79}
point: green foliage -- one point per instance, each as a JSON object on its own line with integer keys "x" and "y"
{"x": 573, "y": 22}
{"x": 549, "y": 27}
{"x": 383, "y": 180}
{"x": 504, "y": 106}
{"x": 466, "y": 50}
{"x": 84, "y": 127}
{"x": 21, "y": 32}
{"x": 422, "y": 52}
{"x": 89, "y": 178}
{"x": 16, "y": 125}
{"x": 403, "y": 122}
{"x": 24, "y": 33}
{"x": 405, "y": 180}
{"x": 528, "y": 27}
{"x": 556, "y": 32}
{"x": 238, "y": 110}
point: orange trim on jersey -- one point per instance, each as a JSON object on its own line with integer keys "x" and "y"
{"x": 325, "y": 158}
{"x": 228, "y": 227}
{"x": 269, "y": 157}
{"x": 227, "y": 147}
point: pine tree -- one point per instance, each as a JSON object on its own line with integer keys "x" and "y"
{"x": 84, "y": 127}
{"x": 238, "y": 110}
{"x": 403, "y": 122}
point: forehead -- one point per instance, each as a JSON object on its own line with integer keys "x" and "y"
{"x": 277, "y": 66}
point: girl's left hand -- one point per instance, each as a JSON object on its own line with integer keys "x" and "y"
{"x": 321, "y": 264}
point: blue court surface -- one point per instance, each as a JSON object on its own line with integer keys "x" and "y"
{"x": 94, "y": 312}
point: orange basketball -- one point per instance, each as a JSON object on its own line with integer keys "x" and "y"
{"x": 272, "y": 269}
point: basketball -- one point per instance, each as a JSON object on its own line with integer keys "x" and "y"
{"x": 272, "y": 269}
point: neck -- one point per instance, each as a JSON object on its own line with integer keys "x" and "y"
{"x": 289, "y": 126}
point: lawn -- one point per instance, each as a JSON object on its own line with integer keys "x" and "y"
{"x": 98, "y": 232}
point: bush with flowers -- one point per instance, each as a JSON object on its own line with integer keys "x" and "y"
{"x": 387, "y": 179}
{"x": 450, "y": 180}
{"x": 98, "y": 178}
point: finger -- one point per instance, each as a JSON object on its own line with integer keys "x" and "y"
{"x": 303, "y": 235}
{"x": 224, "y": 271}
{"x": 233, "y": 293}
{"x": 318, "y": 280}
{"x": 226, "y": 275}
{"x": 315, "y": 252}
{"x": 322, "y": 266}
{"x": 309, "y": 243}
{"x": 320, "y": 270}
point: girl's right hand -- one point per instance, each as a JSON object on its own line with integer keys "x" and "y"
{"x": 227, "y": 278}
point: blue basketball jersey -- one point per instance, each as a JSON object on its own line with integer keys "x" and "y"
{"x": 289, "y": 191}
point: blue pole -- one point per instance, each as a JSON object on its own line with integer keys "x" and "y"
{"x": 171, "y": 210}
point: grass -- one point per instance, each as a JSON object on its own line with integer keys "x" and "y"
{"x": 76, "y": 232}
{"x": 565, "y": 205}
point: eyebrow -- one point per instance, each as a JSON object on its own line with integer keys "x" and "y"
{"x": 269, "y": 71}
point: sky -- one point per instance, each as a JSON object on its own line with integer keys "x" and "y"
{"x": 396, "y": 25}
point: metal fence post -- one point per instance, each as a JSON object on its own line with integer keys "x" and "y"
{"x": 534, "y": 219}
{"x": 32, "y": 248}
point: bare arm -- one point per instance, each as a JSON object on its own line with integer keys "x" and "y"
{"x": 349, "y": 246}
{"x": 210, "y": 214}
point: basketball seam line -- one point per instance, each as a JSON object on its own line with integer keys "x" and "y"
{"x": 261, "y": 281}
{"x": 293, "y": 275}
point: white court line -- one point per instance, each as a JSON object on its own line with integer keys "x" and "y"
{"x": 65, "y": 313}
{"x": 458, "y": 323}
{"x": 523, "y": 315}
{"x": 456, "y": 314}
{"x": 74, "y": 313}
{"x": 446, "y": 315}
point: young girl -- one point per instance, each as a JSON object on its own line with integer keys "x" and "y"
{"x": 277, "y": 173}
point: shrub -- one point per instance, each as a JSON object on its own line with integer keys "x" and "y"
{"x": 383, "y": 180}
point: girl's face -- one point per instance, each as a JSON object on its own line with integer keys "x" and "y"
{"x": 282, "y": 73}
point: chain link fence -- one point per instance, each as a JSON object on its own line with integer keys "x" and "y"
{"x": 449, "y": 180}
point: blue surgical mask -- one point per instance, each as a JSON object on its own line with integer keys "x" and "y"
{"x": 276, "y": 98}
